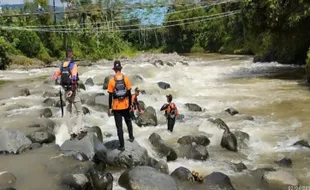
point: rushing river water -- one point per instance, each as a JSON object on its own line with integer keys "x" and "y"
{"x": 273, "y": 94}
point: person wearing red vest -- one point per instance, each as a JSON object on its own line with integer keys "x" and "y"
{"x": 135, "y": 103}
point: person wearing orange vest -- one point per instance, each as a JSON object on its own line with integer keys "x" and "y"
{"x": 69, "y": 81}
{"x": 171, "y": 112}
{"x": 119, "y": 89}
{"x": 135, "y": 104}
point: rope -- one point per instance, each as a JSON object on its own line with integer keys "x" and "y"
{"x": 130, "y": 19}
{"x": 114, "y": 31}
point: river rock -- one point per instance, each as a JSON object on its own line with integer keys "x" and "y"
{"x": 47, "y": 94}
{"x": 279, "y": 178}
{"x": 199, "y": 140}
{"x": 106, "y": 82}
{"x": 133, "y": 155}
{"x": 170, "y": 64}
{"x": 85, "y": 63}
{"x": 158, "y": 165}
{"x": 46, "y": 113}
{"x": 90, "y": 145}
{"x": 180, "y": 117}
{"x": 142, "y": 105}
{"x": 85, "y": 110}
{"x": 80, "y": 156}
{"x": 89, "y": 82}
{"x": 101, "y": 99}
{"x": 193, "y": 107}
{"x": 50, "y": 81}
{"x": 58, "y": 104}
{"x": 238, "y": 167}
{"x": 135, "y": 79}
{"x": 163, "y": 149}
{"x": 79, "y": 175}
{"x": 13, "y": 141}
{"x": 148, "y": 118}
{"x": 145, "y": 177}
{"x": 232, "y": 111}
{"x": 97, "y": 131}
{"x": 163, "y": 85}
{"x": 229, "y": 141}
{"x": 81, "y": 86}
{"x": 49, "y": 102}
{"x": 285, "y": 162}
{"x": 34, "y": 146}
{"x": 242, "y": 138}
{"x": 218, "y": 180}
{"x": 158, "y": 62}
{"x": 183, "y": 174}
{"x": 7, "y": 179}
{"x": 24, "y": 92}
{"x": 41, "y": 137}
{"x": 302, "y": 143}
{"x": 195, "y": 152}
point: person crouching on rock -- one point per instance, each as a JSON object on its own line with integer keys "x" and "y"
{"x": 135, "y": 104}
{"x": 68, "y": 72}
{"x": 171, "y": 112}
{"x": 119, "y": 90}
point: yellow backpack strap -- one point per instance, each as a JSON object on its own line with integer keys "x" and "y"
{"x": 65, "y": 64}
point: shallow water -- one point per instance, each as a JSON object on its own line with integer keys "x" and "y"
{"x": 270, "y": 92}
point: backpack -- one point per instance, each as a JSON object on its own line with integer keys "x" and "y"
{"x": 120, "y": 90}
{"x": 173, "y": 112}
{"x": 65, "y": 80}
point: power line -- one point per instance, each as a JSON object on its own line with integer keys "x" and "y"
{"x": 113, "y": 31}
{"x": 127, "y": 7}
{"x": 130, "y": 19}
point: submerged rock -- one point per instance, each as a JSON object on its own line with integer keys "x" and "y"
{"x": 163, "y": 85}
{"x": 279, "y": 179}
{"x": 163, "y": 149}
{"x": 199, "y": 140}
{"x": 7, "y": 179}
{"x": 193, "y": 107}
{"x": 285, "y": 162}
{"x": 218, "y": 180}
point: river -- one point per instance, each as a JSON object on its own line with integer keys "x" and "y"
{"x": 272, "y": 93}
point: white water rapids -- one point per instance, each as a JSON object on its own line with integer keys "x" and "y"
{"x": 279, "y": 107}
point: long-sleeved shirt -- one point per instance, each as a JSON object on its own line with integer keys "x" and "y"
{"x": 73, "y": 72}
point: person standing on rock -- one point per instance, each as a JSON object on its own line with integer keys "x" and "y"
{"x": 68, "y": 71}
{"x": 135, "y": 104}
{"x": 171, "y": 112}
{"x": 119, "y": 88}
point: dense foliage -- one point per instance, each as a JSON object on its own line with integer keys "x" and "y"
{"x": 272, "y": 30}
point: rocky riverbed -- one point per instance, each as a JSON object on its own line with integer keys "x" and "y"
{"x": 241, "y": 126}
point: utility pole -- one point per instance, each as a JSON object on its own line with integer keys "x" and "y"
{"x": 54, "y": 12}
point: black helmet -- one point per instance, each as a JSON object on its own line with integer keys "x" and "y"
{"x": 169, "y": 97}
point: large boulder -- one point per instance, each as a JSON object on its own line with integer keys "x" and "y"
{"x": 13, "y": 141}
{"x": 193, "y": 107}
{"x": 199, "y": 140}
{"x": 7, "y": 179}
{"x": 133, "y": 155}
{"x": 218, "y": 180}
{"x": 163, "y": 149}
{"x": 106, "y": 82}
{"x": 41, "y": 137}
{"x": 229, "y": 141}
{"x": 183, "y": 174}
{"x": 195, "y": 152}
{"x": 145, "y": 177}
{"x": 148, "y": 118}
{"x": 142, "y": 105}
{"x": 89, "y": 82}
{"x": 90, "y": 145}
{"x": 97, "y": 131}
{"x": 279, "y": 179}
{"x": 238, "y": 167}
{"x": 163, "y": 85}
